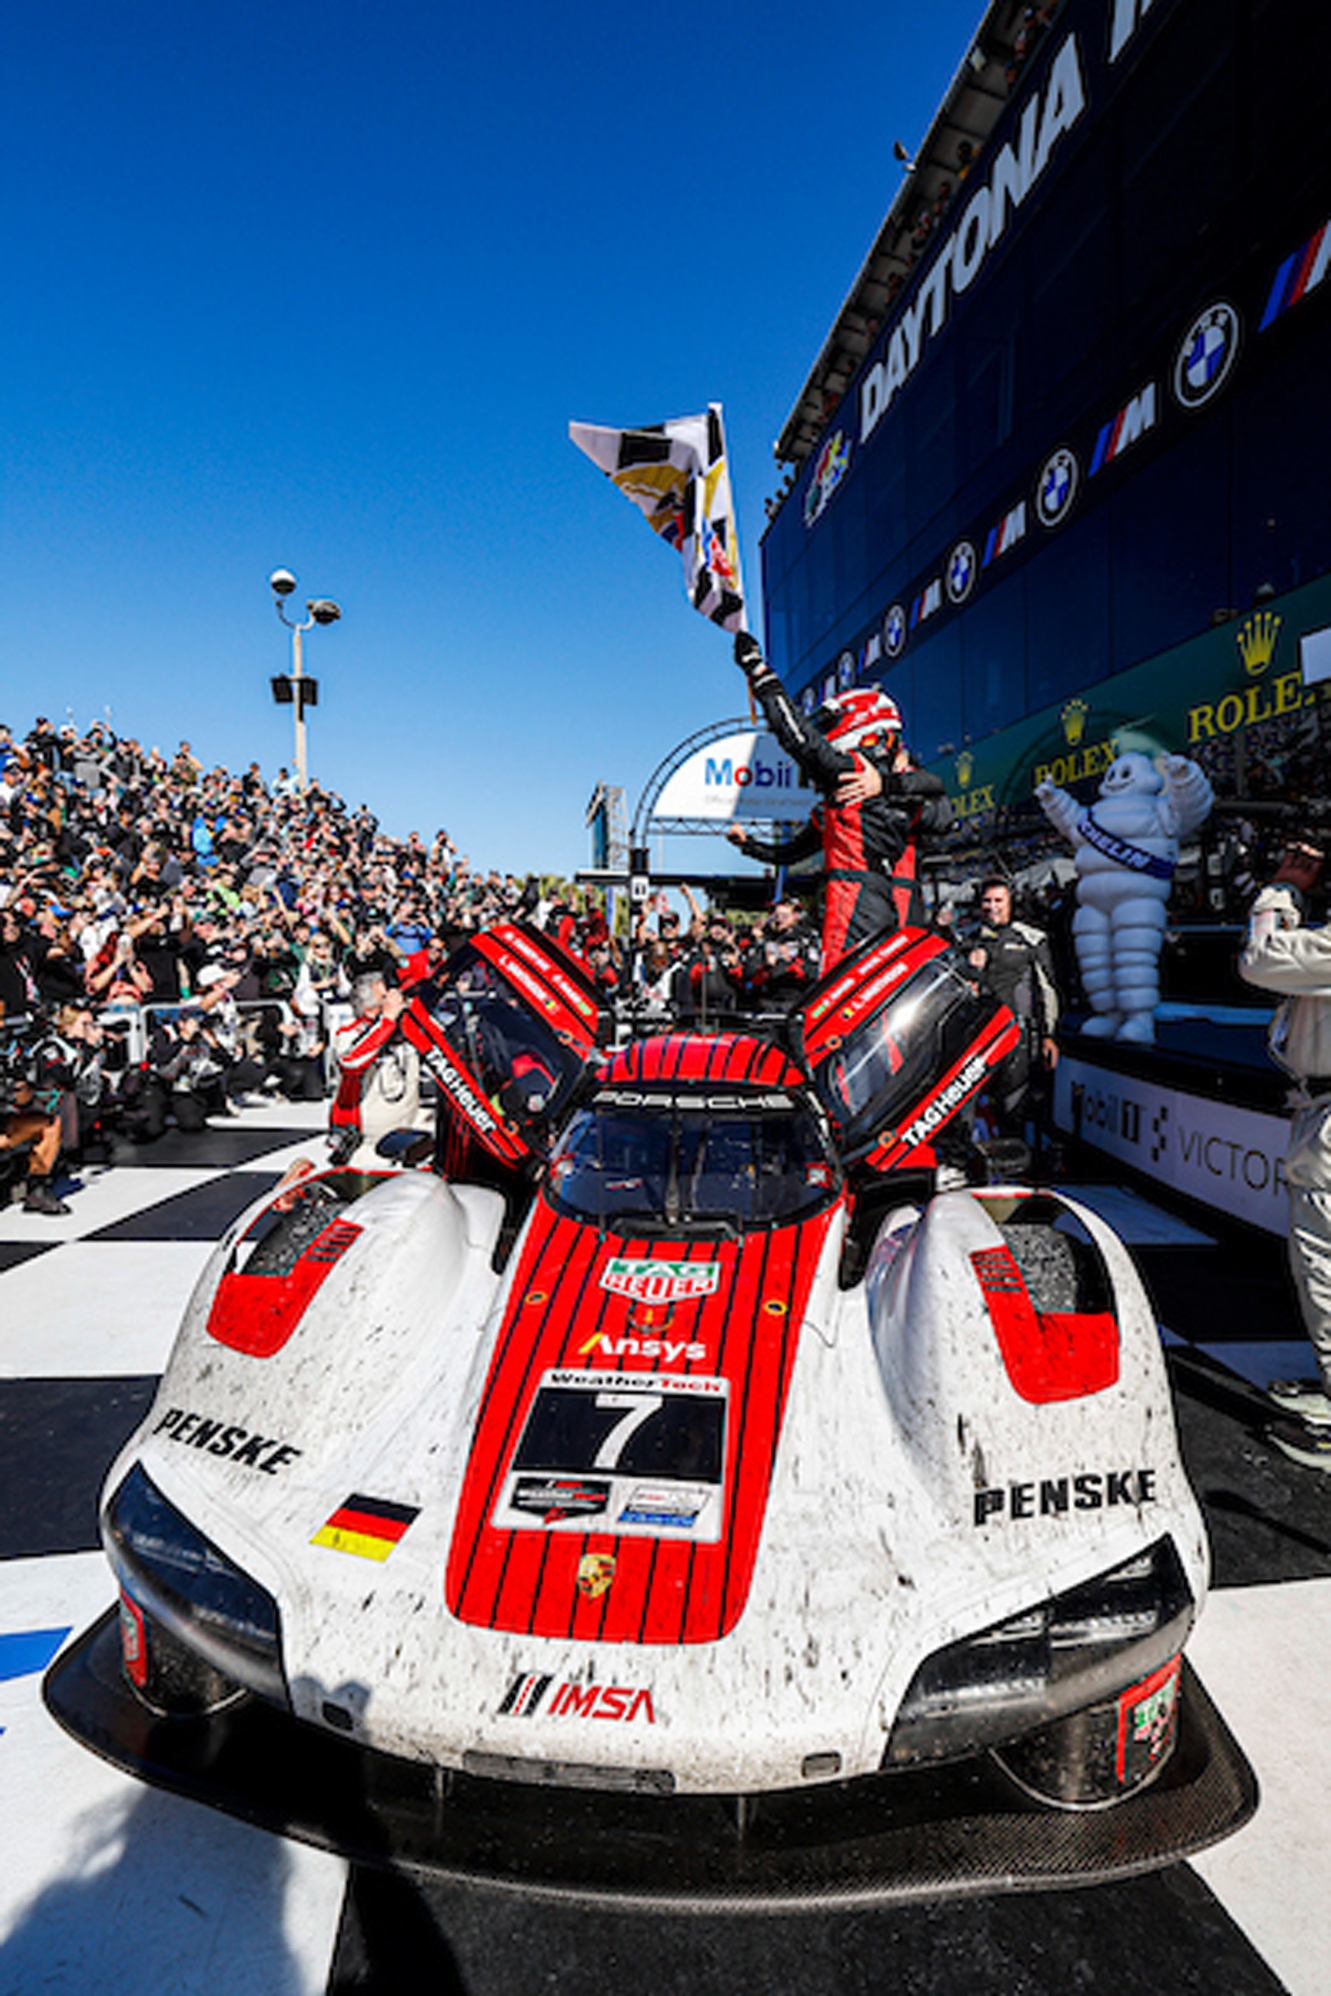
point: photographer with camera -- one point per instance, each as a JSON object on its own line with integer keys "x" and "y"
{"x": 20, "y": 955}
{"x": 115, "y": 975}
{"x": 1294, "y": 961}
{"x": 184, "y": 1078}
{"x": 30, "y": 1092}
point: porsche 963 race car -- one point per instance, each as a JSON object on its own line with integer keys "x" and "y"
{"x": 672, "y": 1498}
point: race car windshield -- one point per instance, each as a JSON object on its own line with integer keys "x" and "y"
{"x": 516, "y": 1057}
{"x": 678, "y": 1166}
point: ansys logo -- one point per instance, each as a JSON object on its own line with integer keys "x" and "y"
{"x": 830, "y": 467}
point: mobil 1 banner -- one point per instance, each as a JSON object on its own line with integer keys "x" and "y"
{"x": 737, "y": 776}
{"x": 1223, "y": 1156}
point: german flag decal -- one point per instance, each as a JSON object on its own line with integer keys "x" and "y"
{"x": 368, "y": 1526}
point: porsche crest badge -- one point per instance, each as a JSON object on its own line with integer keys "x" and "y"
{"x": 596, "y": 1570}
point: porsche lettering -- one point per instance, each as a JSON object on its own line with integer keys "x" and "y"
{"x": 635, "y": 1098}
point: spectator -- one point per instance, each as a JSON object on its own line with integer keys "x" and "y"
{"x": 31, "y": 1085}
{"x": 653, "y": 982}
{"x": 184, "y": 1078}
{"x": 89, "y": 1091}
{"x": 306, "y": 1028}
{"x": 20, "y": 955}
{"x": 783, "y": 961}
{"x": 710, "y": 978}
{"x": 245, "y": 1069}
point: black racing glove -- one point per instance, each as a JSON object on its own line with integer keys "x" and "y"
{"x": 749, "y": 654}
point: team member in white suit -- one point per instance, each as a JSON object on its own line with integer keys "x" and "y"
{"x": 1283, "y": 956}
{"x": 1127, "y": 847}
{"x": 379, "y": 1074}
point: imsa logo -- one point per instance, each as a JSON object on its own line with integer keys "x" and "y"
{"x": 529, "y": 1694}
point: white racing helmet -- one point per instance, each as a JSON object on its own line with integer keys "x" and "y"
{"x": 864, "y": 718}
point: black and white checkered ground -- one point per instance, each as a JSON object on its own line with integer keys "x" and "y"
{"x": 109, "y": 1887}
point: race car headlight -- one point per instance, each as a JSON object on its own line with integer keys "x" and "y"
{"x": 180, "y": 1578}
{"x": 1072, "y": 1650}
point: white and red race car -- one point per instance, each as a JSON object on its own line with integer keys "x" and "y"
{"x": 674, "y": 1502}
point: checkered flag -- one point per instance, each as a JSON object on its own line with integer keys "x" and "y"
{"x": 676, "y": 473}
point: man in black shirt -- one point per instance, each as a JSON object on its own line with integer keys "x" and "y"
{"x": 1016, "y": 966}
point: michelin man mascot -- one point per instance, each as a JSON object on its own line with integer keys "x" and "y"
{"x": 1127, "y": 846}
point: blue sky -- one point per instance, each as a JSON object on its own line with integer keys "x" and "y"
{"x": 321, "y": 287}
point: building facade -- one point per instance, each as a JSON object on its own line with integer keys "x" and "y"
{"x": 1074, "y": 497}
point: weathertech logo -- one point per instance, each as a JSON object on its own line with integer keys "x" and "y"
{"x": 527, "y": 1695}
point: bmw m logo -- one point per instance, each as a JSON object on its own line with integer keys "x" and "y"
{"x": 1206, "y": 355}
{"x": 962, "y": 566}
{"x": 1059, "y": 478}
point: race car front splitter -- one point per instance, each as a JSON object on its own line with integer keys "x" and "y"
{"x": 947, "y": 1832}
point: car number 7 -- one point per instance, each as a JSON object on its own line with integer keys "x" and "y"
{"x": 641, "y": 1407}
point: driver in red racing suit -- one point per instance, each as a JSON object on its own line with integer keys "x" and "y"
{"x": 874, "y": 807}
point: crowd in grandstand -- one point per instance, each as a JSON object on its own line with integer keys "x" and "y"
{"x": 175, "y": 938}
{"x": 176, "y": 941}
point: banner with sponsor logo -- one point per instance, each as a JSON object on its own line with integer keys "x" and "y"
{"x": 1224, "y": 1156}
{"x": 747, "y": 775}
{"x": 676, "y": 474}
{"x": 1217, "y": 698}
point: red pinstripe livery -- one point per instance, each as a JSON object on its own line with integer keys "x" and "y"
{"x": 728, "y": 1057}
{"x": 663, "y": 1590}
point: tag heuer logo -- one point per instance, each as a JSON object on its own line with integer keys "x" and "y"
{"x": 660, "y": 1281}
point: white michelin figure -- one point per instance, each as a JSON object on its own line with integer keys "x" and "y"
{"x": 1127, "y": 847}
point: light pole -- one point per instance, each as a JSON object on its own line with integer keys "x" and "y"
{"x": 298, "y": 691}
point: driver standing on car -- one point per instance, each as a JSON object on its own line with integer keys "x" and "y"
{"x": 875, "y": 806}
